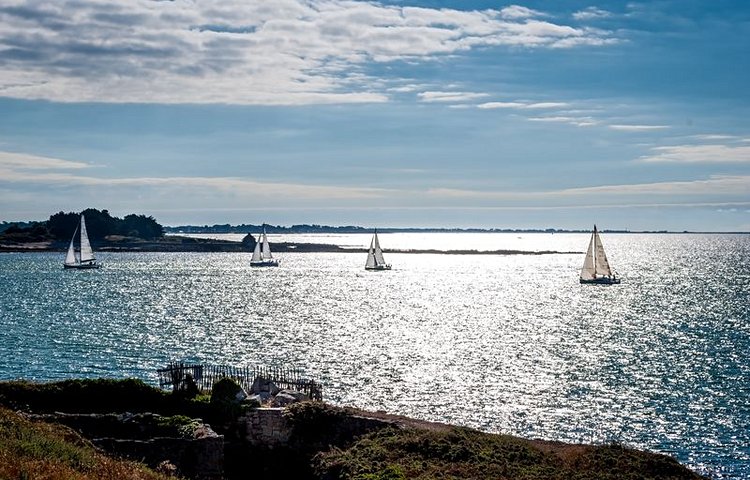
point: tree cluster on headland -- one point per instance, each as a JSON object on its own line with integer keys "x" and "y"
{"x": 99, "y": 224}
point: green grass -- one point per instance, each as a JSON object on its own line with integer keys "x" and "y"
{"x": 460, "y": 453}
{"x": 30, "y": 450}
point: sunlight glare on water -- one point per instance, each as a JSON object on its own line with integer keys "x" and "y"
{"x": 505, "y": 343}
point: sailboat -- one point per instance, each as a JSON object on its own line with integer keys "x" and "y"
{"x": 84, "y": 259}
{"x": 262, "y": 256}
{"x": 375, "y": 260}
{"x": 596, "y": 268}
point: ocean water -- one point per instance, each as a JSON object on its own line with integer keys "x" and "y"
{"x": 509, "y": 343}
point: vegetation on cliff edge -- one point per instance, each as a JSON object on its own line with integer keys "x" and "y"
{"x": 53, "y": 452}
{"x": 462, "y": 453}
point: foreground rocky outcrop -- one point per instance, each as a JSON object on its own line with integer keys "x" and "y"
{"x": 228, "y": 435}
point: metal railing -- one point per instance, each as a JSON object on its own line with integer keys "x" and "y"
{"x": 175, "y": 376}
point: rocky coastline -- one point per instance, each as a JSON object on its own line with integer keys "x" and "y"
{"x": 268, "y": 432}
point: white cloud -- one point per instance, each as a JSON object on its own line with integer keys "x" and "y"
{"x": 449, "y": 96}
{"x": 718, "y": 185}
{"x": 714, "y": 185}
{"x": 638, "y": 128}
{"x": 541, "y": 105}
{"x": 714, "y": 137}
{"x": 11, "y": 160}
{"x": 243, "y": 51}
{"x": 493, "y": 105}
{"x": 523, "y": 105}
{"x": 699, "y": 154}
{"x": 20, "y": 168}
{"x": 577, "y": 121}
{"x": 518, "y": 12}
{"x": 591, "y": 13}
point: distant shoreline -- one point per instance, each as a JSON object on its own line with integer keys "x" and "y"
{"x": 311, "y": 230}
{"x": 224, "y": 246}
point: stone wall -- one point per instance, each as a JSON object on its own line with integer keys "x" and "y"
{"x": 198, "y": 454}
{"x": 265, "y": 427}
{"x": 201, "y": 458}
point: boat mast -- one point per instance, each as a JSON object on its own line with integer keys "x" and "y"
{"x": 596, "y": 247}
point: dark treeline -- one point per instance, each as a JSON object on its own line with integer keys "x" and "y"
{"x": 306, "y": 228}
{"x": 100, "y": 224}
{"x": 249, "y": 228}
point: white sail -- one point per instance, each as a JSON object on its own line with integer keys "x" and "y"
{"x": 601, "y": 263}
{"x": 71, "y": 257}
{"x": 596, "y": 268}
{"x": 378, "y": 252}
{"x": 87, "y": 254}
{"x": 85, "y": 258}
{"x": 266, "y": 252}
{"x": 371, "y": 255}
{"x": 588, "y": 271}
{"x": 257, "y": 257}
{"x": 262, "y": 256}
{"x": 375, "y": 260}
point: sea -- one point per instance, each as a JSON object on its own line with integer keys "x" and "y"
{"x": 503, "y": 343}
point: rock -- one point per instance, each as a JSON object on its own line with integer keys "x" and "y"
{"x": 261, "y": 397}
{"x": 286, "y": 397}
{"x": 264, "y": 385}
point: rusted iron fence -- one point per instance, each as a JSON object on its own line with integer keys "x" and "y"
{"x": 176, "y": 374}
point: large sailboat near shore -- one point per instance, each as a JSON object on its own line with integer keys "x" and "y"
{"x": 84, "y": 258}
{"x": 596, "y": 269}
{"x": 262, "y": 256}
{"x": 375, "y": 259}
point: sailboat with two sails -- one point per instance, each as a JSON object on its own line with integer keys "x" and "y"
{"x": 262, "y": 256}
{"x": 375, "y": 259}
{"x": 596, "y": 269}
{"x": 83, "y": 259}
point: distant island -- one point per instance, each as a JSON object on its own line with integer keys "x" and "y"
{"x": 138, "y": 232}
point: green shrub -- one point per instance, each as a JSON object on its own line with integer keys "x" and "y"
{"x": 226, "y": 398}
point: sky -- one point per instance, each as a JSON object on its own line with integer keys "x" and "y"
{"x": 462, "y": 113}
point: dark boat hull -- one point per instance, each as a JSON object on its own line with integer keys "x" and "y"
{"x": 378, "y": 268}
{"x": 601, "y": 281}
{"x": 83, "y": 266}
{"x": 265, "y": 263}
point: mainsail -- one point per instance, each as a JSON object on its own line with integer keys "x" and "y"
{"x": 266, "y": 252}
{"x": 87, "y": 254}
{"x": 378, "y": 252}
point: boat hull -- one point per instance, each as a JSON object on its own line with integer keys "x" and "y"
{"x": 601, "y": 281}
{"x": 265, "y": 263}
{"x": 83, "y": 266}
{"x": 377, "y": 268}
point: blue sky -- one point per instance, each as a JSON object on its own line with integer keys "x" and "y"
{"x": 395, "y": 113}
